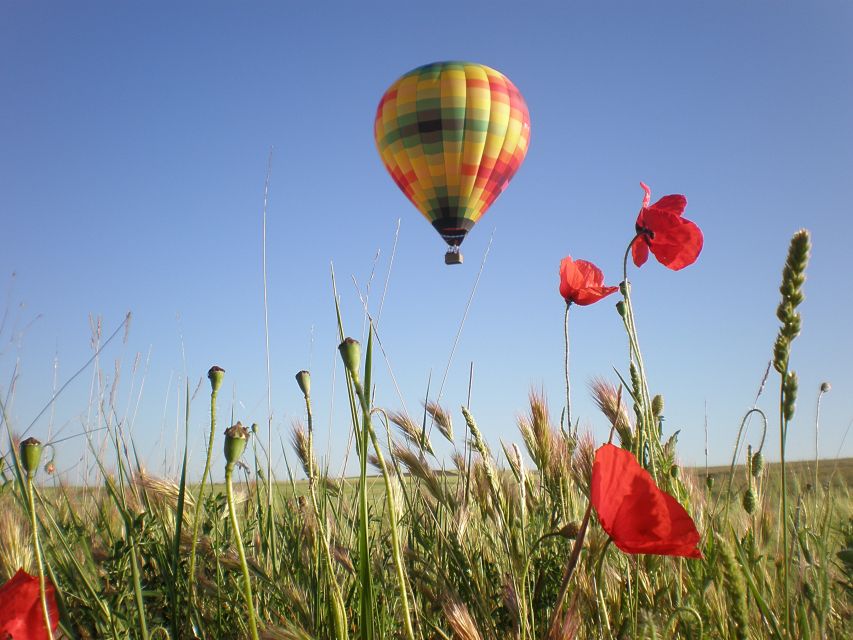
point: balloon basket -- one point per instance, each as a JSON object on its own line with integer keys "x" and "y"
{"x": 453, "y": 257}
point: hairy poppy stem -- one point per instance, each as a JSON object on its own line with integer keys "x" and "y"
{"x": 238, "y": 541}
{"x": 568, "y": 571}
{"x": 39, "y": 561}
{"x": 568, "y": 383}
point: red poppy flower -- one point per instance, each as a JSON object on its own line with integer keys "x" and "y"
{"x": 676, "y": 242}
{"x": 582, "y": 282}
{"x": 21, "y": 617}
{"x": 635, "y": 512}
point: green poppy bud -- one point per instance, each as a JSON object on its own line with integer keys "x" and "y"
{"x": 351, "y": 355}
{"x": 749, "y": 501}
{"x": 709, "y": 481}
{"x": 236, "y": 438}
{"x": 303, "y": 379}
{"x": 674, "y": 471}
{"x": 624, "y": 288}
{"x": 31, "y": 455}
{"x": 620, "y": 308}
{"x": 215, "y": 375}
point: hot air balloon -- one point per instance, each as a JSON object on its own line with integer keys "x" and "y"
{"x": 452, "y": 135}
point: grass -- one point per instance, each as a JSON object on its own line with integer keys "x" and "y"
{"x": 481, "y": 546}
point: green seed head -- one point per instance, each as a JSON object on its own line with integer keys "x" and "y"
{"x": 789, "y": 404}
{"x": 757, "y": 464}
{"x": 236, "y": 438}
{"x": 215, "y": 375}
{"x": 303, "y": 379}
{"x": 31, "y": 455}
{"x": 749, "y": 501}
{"x": 351, "y": 355}
{"x": 657, "y": 406}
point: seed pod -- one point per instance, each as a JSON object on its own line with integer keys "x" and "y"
{"x": 749, "y": 501}
{"x": 709, "y": 481}
{"x": 215, "y": 375}
{"x": 236, "y": 438}
{"x": 303, "y": 379}
{"x": 757, "y": 464}
{"x": 350, "y": 350}
{"x": 825, "y": 387}
{"x": 31, "y": 455}
{"x": 570, "y": 531}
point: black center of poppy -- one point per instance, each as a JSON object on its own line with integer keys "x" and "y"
{"x": 643, "y": 231}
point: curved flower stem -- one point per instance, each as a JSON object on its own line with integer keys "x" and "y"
{"x": 200, "y": 499}
{"x": 34, "y": 523}
{"x": 568, "y": 383}
{"x": 238, "y": 540}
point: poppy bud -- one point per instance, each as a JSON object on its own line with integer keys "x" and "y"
{"x": 620, "y": 308}
{"x": 674, "y": 471}
{"x": 624, "y": 287}
{"x": 570, "y": 531}
{"x": 657, "y": 405}
{"x": 215, "y": 375}
{"x": 351, "y": 355}
{"x": 709, "y": 481}
{"x": 825, "y": 387}
{"x": 50, "y": 468}
{"x": 303, "y": 379}
{"x": 757, "y": 464}
{"x": 31, "y": 455}
{"x": 749, "y": 501}
{"x": 254, "y": 428}
{"x": 808, "y": 591}
{"x": 236, "y": 438}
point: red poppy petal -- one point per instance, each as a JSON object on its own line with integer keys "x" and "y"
{"x": 636, "y": 514}
{"x": 647, "y": 198}
{"x": 674, "y": 204}
{"x": 591, "y": 275}
{"x": 589, "y": 295}
{"x": 20, "y": 609}
{"x": 677, "y": 242}
{"x": 640, "y": 251}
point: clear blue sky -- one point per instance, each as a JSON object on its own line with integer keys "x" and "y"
{"x": 133, "y": 150}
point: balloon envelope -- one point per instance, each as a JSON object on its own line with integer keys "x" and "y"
{"x": 452, "y": 135}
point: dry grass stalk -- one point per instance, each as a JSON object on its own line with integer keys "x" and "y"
{"x": 606, "y": 396}
{"x": 460, "y": 620}
{"x": 442, "y": 419}
{"x": 411, "y": 431}
{"x": 15, "y": 544}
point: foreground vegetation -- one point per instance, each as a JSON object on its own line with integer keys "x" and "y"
{"x": 416, "y": 547}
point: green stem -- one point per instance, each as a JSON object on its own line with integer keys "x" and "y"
{"x": 238, "y": 540}
{"x": 39, "y": 565}
{"x": 783, "y": 432}
{"x": 200, "y": 499}
{"x": 338, "y": 607}
{"x": 367, "y": 427}
{"x": 568, "y": 383}
{"x": 137, "y": 586}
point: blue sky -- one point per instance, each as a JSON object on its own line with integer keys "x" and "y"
{"x": 134, "y": 148}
